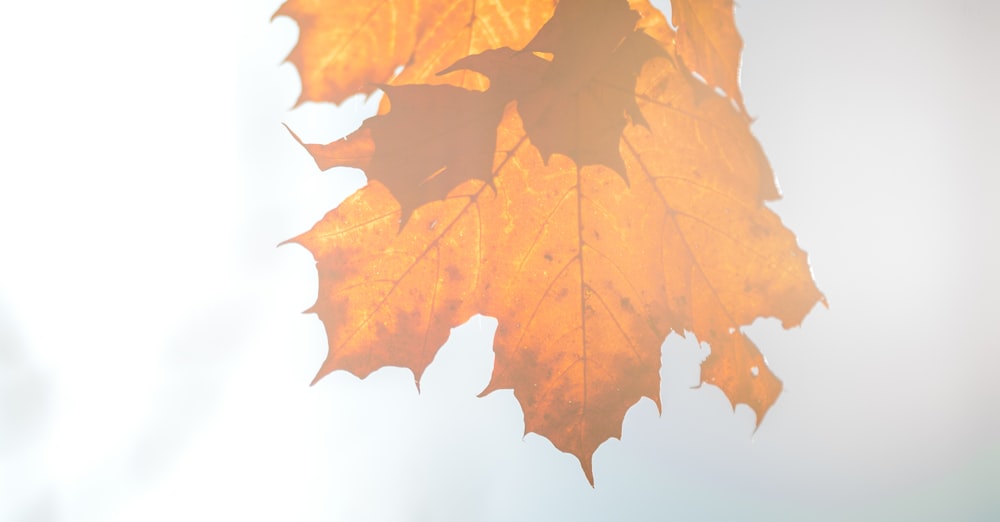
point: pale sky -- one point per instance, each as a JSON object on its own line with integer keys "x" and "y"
{"x": 154, "y": 364}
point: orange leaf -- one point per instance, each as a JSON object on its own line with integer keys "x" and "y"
{"x": 592, "y": 206}
{"x": 578, "y": 294}
{"x": 346, "y": 47}
{"x": 707, "y": 42}
{"x": 390, "y": 299}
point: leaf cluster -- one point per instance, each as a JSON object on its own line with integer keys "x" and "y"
{"x": 584, "y": 172}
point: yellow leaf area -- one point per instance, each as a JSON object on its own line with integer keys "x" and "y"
{"x": 708, "y": 42}
{"x": 346, "y": 47}
{"x": 589, "y": 243}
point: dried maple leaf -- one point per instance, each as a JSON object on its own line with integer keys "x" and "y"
{"x": 587, "y": 255}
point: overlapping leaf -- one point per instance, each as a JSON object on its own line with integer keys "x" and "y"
{"x": 436, "y": 137}
{"x": 619, "y": 201}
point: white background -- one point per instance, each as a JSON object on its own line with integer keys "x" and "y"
{"x": 154, "y": 366}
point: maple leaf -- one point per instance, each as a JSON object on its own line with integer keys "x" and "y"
{"x": 390, "y": 299}
{"x": 590, "y": 239}
{"x": 579, "y": 104}
{"x": 435, "y": 137}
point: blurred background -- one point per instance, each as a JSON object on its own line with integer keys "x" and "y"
{"x": 154, "y": 366}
